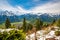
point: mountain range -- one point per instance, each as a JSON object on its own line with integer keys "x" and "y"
{"x": 29, "y": 16}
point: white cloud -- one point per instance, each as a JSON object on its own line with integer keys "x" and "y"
{"x": 20, "y": 9}
{"x": 47, "y": 8}
{"x": 4, "y": 5}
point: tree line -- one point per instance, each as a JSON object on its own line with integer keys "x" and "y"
{"x": 39, "y": 24}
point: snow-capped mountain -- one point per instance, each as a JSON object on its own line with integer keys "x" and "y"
{"x": 11, "y": 13}
{"x": 16, "y": 17}
{"x": 7, "y": 13}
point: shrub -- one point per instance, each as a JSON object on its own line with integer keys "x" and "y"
{"x": 13, "y": 35}
{"x": 57, "y": 33}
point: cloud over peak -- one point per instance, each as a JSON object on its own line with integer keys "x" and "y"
{"x": 50, "y": 7}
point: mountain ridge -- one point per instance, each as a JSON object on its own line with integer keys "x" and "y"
{"x": 29, "y": 16}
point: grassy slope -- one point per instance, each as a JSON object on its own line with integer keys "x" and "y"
{"x": 3, "y": 24}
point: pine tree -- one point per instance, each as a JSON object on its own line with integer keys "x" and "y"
{"x": 38, "y": 24}
{"x": 53, "y": 22}
{"x": 58, "y": 22}
{"x": 24, "y": 27}
{"x": 7, "y": 23}
{"x": 30, "y": 26}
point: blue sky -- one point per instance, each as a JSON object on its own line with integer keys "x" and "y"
{"x": 34, "y": 6}
{"x": 27, "y": 4}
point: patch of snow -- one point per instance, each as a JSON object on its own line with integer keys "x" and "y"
{"x": 58, "y": 37}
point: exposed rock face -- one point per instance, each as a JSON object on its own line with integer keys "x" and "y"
{"x": 51, "y": 39}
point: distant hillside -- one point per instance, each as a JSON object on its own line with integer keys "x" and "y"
{"x": 29, "y": 17}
